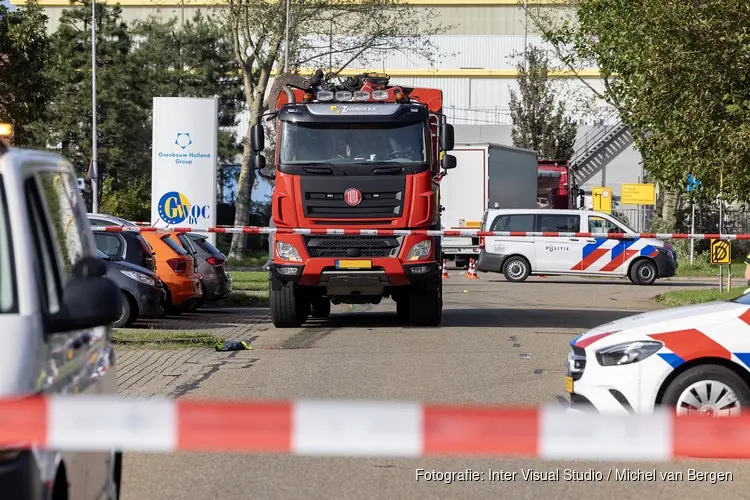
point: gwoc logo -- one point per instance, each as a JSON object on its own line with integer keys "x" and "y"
{"x": 175, "y": 208}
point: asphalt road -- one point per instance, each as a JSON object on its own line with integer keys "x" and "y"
{"x": 499, "y": 343}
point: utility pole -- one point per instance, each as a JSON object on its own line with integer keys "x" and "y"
{"x": 94, "y": 151}
{"x": 286, "y": 39}
{"x": 526, "y": 34}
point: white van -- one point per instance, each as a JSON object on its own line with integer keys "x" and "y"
{"x": 56, "y": 308}
{"x": 643, "y": 260}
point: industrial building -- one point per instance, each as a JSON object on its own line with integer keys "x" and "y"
{"x": 475, "y": 65}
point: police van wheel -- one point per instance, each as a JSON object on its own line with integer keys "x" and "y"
{"x": 516, "y": 269}
{"x": 643, "y": 272}
{"x": 288, "y": 309}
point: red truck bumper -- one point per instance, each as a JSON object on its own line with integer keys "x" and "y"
{"x": 384, "y": 272}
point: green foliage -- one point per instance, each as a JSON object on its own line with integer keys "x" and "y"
{"x": 687, "y": 297}
{"x": 134, "y": 64}
{"x": 677, "y": 71}
{"x": 25, "y": 90}
{"x": 537, "y": 123}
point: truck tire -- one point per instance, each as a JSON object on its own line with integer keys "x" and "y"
{"x": 402, "y": 311}
{"x": 516, "y": 269}
{"x": 426, "y": 305}
{"x": 288, "y": 309}
{"x": 643, "y": 272}
{"x": 321, "y": 308}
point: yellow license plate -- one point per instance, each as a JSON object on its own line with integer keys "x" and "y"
{"x": 353, "y": 264}
{"x": 569, "y": 384}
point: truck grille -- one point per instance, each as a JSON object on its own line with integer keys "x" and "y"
{"x": 381, "y": 197}
{"x": 352, "y": 246}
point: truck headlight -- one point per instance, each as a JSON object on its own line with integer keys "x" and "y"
{"x": 627, "y": 353}
{"x": 139, "y": 277}
{"x": 287, "y": 252}
{"x": 420, "y": 250}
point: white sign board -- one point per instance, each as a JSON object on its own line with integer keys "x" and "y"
{"x": 183, "y": 166}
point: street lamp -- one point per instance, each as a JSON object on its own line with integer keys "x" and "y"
{"x": 286, "y": 38}
{"x": 94, "y": 172}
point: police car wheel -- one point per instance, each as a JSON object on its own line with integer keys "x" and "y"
{"x": 643, "y": 272}
{"x": 709, "y": 391}
{"x": 516, "y": 269}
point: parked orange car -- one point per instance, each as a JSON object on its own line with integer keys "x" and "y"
{"x": 175, "y": 267}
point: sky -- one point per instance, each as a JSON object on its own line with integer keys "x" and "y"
{"x": 7, "y": 4}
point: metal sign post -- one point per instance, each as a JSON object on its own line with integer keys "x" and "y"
{"x": 693, "y": 184}
{"x": 721, "y": 253}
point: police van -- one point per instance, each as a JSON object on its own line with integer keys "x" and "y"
{"x": 643, "y": 260}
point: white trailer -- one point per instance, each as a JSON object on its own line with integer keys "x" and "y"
{"x": 486, "y": 176}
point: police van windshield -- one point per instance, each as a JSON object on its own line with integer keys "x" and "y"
{"x": 310, "y": 143}
{"x": 7, "y": 270}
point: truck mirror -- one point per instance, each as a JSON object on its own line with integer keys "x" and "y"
{"x": 446, "y": 137}
{"x": 257, "y": 138}
{"x": 257, "y": 162}
{"x": 449, "y": 162}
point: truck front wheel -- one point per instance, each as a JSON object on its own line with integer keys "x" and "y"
{"x": 426, "y": 304}
{"x": 321, "y": 307}
{"x": 288, "y": 307}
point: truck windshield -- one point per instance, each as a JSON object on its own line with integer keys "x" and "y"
{"x": 310, "y": 143}
{"x": 7, "y": 269}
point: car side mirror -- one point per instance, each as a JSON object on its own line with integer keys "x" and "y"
{"x": 449, "y": 162}
{"x": 257, "y": 138}
{"x": 89, "y": 299}
{"x": 258, "y": 162}
{"x": 446, "y": 137}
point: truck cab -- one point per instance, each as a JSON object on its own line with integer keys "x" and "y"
{"x": 357, "y": 168}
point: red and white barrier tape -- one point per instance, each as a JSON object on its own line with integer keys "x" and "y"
{"x": 364, "y": 428}
{"x": 404, "y": 232}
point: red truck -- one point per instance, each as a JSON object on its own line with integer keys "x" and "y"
{"x": 355, "y": 154}
{"x": 553, "y": 188}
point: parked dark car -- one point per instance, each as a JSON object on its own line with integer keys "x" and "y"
{"x": 143, "y": 292}
{"x": 211, "y": 265}
{"x": 125, "y": 246}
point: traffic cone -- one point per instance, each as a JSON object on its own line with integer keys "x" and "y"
{"x": 472, "y": 274}
{"x": 445, "y": 270}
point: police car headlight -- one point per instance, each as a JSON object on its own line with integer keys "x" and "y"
{"x": 287, "y": 252}
{"x": 627, "y": 353}
{"x": 420, "y": 251}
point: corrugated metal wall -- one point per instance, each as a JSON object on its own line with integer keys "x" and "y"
{"x": 457, "y": 20}
{"x": 450, "y": 52}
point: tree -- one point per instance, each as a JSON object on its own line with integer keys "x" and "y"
{"x": 538, "y": 123}
{"x": 195, "y": 59}
{"x": 677, "y": 72}
{"x": 320, "y": 32}
{"x": 123, "y": 132}
{"x": 24, "y": 88}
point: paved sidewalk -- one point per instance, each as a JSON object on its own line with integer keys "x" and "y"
{"x": 173, "y": 372}
{"x": 177, "y": 372}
